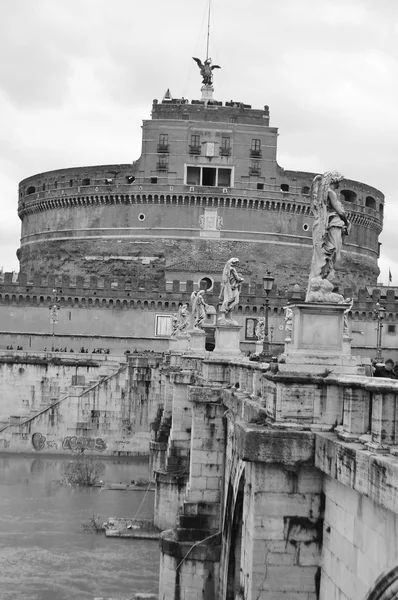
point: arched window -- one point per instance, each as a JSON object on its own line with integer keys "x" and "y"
{"x": 284, "y": 187}
{"x": 31, "y": 189}
{"x": 370, "y": 202}
{"x": 305, "y": 190}
{"x": 349, "y": 195}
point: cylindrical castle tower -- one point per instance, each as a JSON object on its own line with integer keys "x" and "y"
{"x": 206, "y": 187}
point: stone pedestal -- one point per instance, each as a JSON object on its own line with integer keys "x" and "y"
{"x": 259, "y": 346}
{"x": 227, "y": 340}
{"x": 207, "y": 92}
{"x": 179, "y": 343}
{"x": 197, "y": 341}
{"x": 318, "y": 341}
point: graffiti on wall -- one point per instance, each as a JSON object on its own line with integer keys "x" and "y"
{"x": 73, "y": 443}
{"x": 38, "y": 441}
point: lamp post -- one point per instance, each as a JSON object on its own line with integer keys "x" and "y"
{"x": 268, "y": 281}
{"x": 379, "y": 314}
{"x": 54, "y": 308}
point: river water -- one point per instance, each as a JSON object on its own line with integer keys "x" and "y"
{"x": 44, "y": 552}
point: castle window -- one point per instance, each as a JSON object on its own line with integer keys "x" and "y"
{"x": 232, "y": 119}
{"x": 260, "y": 186}
{"x": 163, "y": 145}
{"x": 31, "y": 189}
{"x": 284, "y": 187}
{"x": 305, "y": 190}
{"x": 71, "y": 183}
{"x": 154, "y": 179}
{"x": 255, "y": 149}
{"x": 209, "y": 176}
{"x": 224, "y": 177}
{"x": 193, "y": 175}
{"x": 225, "y": 148}
{"x": 348, "y": 195}
{"x": 194, "y": 147}
{"x": 390, "y": 328}
{"x": 55, "y": 184}
{"x": 163, "y": 325}
{"x": 130, "y": 178}
{"x": 86, "y": 182}
{"x": 206, "y": 283}
{"x": 163, "y": 163}
{"x": 370, "y": 202}
{"x": 254, "y": 168}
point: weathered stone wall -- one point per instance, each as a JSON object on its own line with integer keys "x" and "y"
{"x": 359, "y": 542}
{"x": 110, "y": 413}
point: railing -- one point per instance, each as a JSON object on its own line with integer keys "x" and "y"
{"x": 255, "y": 153}
{"x": 194, "y": 149}
{"x": 163, "y": 148}
{"x": 225, "y": 151}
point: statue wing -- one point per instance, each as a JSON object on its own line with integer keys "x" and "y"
{"x": 193, "y": 301}
{"x": 199, "y": 62}
{"x": 319, "y": 208}
{"x": 215, "y": 67}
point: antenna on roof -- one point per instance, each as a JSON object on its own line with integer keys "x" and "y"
{"x": 208, "y": 32}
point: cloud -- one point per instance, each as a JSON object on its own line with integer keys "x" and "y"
{"x": 81, "y": 75}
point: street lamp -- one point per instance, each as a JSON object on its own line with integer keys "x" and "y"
{"x": 268, "y": 281}
{"x": 379, "y": 314}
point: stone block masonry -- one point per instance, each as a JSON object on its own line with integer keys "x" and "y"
{"x": 272, "y": 506}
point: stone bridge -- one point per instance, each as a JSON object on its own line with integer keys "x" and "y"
{"x": 275, "y": 483}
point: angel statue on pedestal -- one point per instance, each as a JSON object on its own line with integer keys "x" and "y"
{"x": 231, "y": 283}
{"x": 199, "y": 309}
{"x": 183, "y": 322}
{"x": 330, "y": 228}
{"x": 206, "y": 70}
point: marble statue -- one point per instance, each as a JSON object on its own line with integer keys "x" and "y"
{"x": 183, "y": 321}
{"x": 174, "y": 325}
{"x": 260, "y": 329}
{"x": 231, "y": 283}
{"x": 346, "y": 330}
{"x": 198, "y": 308}
{"x": 288, "y": 322}
{"x": 206, "y": 70}
{"x": 328, "y": 232}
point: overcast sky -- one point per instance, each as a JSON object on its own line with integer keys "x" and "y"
{"x": 77, "y": 77}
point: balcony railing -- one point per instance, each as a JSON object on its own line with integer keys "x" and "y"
{"x": 194, "y": 149}
{"x": 255, "y": 153}
{"x": 161, "y": 167}
{"x": 254, "y": 172}
{"x": 163, "y": 148}
{"x": 225, "y": 151}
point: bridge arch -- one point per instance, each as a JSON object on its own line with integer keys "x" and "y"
{"x": 385, "y": 587}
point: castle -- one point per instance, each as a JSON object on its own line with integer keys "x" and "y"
{"x": 142, "y": 236}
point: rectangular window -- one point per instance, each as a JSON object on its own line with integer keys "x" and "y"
{"x": 163, "y": 162}
{"x": 255, "y": 148}
{"x": 163, "y": 145}
{"x": 163, "y": 325}
{"x": 225, "y": 148}
{"x": 209, "y": 176}
{"x": 224, "y": 177}
{"x": 194, "y": 147}
{"x": 260, "y": 186}
{"x": 193, "y": 175}
{"x": 391, "y": 329}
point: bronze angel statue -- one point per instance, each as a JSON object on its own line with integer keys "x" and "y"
{"x": 328, "y": 232}
{"x": 206, "y": 70}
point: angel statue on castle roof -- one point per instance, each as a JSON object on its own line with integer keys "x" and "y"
{"x": 329, "y": 229}
{"x": 206, "y": 70}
